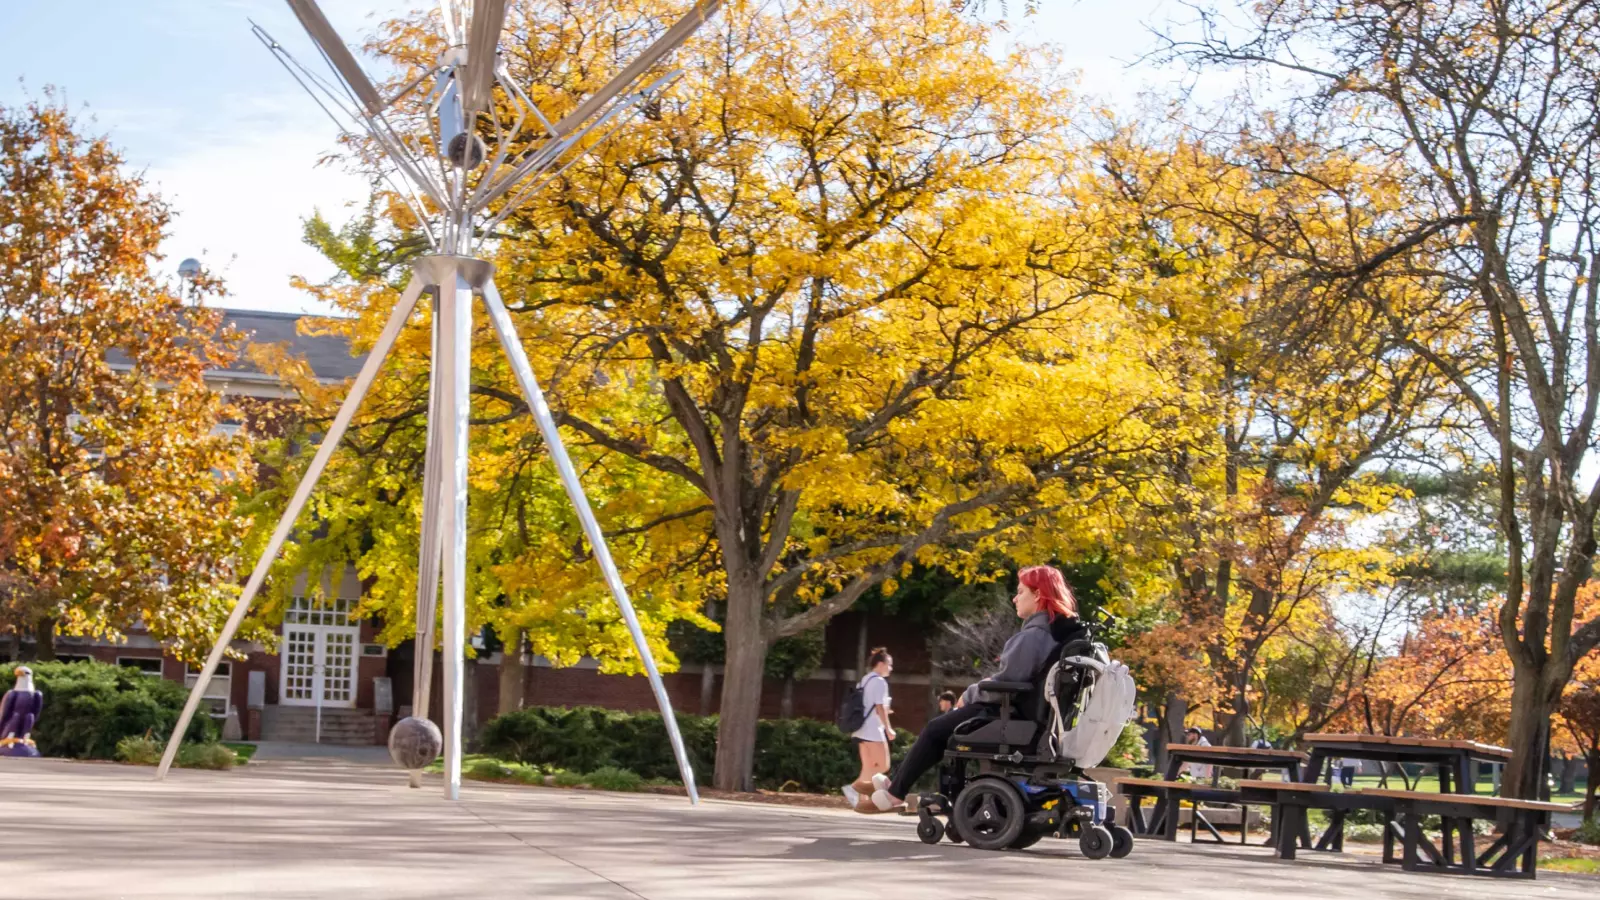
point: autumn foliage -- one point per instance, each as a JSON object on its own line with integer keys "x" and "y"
{"x": 118, "y": 504}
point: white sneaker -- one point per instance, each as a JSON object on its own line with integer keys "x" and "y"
{"x": 880, "y": 782}
{"x": 851, "y": 795}
{"x": 884, "y": 802}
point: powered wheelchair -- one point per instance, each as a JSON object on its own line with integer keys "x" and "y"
{"x": 1009, "y": 780}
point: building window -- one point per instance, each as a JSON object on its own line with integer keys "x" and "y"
{"x": 147, "y": 665}
{"x": 303, "y": 611}
{"x": 219, "y": 693}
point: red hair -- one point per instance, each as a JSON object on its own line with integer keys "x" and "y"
{"x": 1055, "y": 598}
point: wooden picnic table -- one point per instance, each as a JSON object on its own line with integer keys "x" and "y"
{"x": 1170, "y": 793}
{"x": 1453, "y": 758}
{"x": 1290, "y": 762}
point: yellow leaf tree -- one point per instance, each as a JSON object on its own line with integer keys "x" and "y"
{"x": 832, "y": 306}
{"x": 1292, "y": 402}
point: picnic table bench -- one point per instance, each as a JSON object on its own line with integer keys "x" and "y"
{"x": 1513, "y": 854}
{"x": 1169, "y": 795}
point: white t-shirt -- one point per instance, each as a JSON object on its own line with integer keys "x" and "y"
{"x": 1199, "y": 771}
{"x": 874, "y": 693}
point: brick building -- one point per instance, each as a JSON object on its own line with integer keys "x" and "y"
{"x": 331, "y": 681}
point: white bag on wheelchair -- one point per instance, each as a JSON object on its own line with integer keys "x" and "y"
{"x": 1102, "y": 710}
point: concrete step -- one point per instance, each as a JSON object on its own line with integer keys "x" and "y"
{"x": 347, "y": 727}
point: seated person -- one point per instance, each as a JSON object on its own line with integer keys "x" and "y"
{"x": 1047, "y": 608}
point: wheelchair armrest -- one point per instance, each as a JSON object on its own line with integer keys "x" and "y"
{"x": 1005, "y": 687}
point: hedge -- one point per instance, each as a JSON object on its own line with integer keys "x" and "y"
{"x": 90, "y": 706}
{"x": 800, "y": 753}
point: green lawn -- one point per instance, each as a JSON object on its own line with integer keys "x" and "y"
{"x": 243, "y": 751}
{"x": 1573, "y": 866}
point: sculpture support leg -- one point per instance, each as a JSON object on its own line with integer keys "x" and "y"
{"x": 455, "y": 339}
{"x": 591, "y": 526}
{"x": 428, "y": 543}
{"x": 358, "y": 390}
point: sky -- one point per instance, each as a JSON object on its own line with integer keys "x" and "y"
{"x": 233, "y": 144}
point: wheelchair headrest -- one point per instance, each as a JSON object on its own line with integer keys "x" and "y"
{"x": 1077, "y": 648}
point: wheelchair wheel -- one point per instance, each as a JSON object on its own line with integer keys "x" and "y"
{"x": 930, "y": 830}
{"x": 1121, "y": 841}
{"x": 951, "y": 834}
{"x": 1095, "y": 842}
{"x": 990, "y": 814}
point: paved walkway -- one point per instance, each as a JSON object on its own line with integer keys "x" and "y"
{"x": 335, "y": 829}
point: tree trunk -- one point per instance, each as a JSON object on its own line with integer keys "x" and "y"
{"x": 1531, "y": 708}
{"x": 861, "y": 648}
{"x": 1234, "y": 735}
{"x": 1592, "y": 789}
{"x": 1177, "y": 709}
{"x": 786, "y": 702}
{"x": 741, "y": 701}
{"x": 44, "y": 639}
{"x": 512, "y": 674}
{"x": 708, "y": 688}
{"x": 1569, "y": 773}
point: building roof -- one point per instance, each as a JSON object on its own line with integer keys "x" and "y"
{"x": 328, "y": 355}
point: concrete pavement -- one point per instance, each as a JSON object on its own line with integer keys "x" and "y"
{"x": 338, "y": 829}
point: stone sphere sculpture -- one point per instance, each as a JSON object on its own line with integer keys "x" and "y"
{"x": 413, "y": 744}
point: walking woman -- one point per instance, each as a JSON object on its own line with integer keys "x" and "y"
{"x": 873, "y": 737}
{"x": 1050, "y": 617}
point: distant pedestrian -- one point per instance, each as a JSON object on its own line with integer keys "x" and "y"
{"x": 1347, "y": 772}
{"x": 873, "y": 737}
{"x": 947, "y": 702}
{"x": 1198, "y": 771}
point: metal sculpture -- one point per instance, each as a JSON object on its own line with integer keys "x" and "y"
{"x": 481, "y": 157}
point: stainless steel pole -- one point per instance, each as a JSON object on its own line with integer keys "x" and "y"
{"x": 591, "y": 526}
{"x": 455, "y": 339}
{"x": 429, "y": 545}
{"x": 302, "y": 492}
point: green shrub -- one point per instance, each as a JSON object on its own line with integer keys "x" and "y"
{"x": 144, "y": 750}
{"x": 206, "y": 756}
{"x": 569, "y": 779}
{"x": 1130, "y": 751}
{"x": 612, "y": 778}
{"x": 797, "y": 753}
{"x": 139, "y": 750}
{"x": 90, "y": 707}
{"x": 1588, "y": 832}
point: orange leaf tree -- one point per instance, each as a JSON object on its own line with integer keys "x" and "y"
{"x": 116, "y": 495}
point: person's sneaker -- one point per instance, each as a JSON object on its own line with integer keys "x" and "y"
{"x": 880, "y": 782}
{"x": 851, "y": 795}
{"x": 885, "y": 803}
{"x": 867, "y": 806}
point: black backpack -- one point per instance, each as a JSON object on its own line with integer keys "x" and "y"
{"x": 853, "y": 709}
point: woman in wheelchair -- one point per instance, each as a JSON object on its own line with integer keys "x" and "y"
{"x": 1050, "y": 617}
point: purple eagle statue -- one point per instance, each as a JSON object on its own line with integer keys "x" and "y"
{"x": 18, "y": 711}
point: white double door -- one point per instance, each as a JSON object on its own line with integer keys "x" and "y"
{"x": 318, "y": 661}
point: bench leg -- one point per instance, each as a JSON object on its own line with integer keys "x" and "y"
{"x": 1469, "y": 860}
{"x": 1413, "y": 833}
{"x": 1294, "y": 818}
